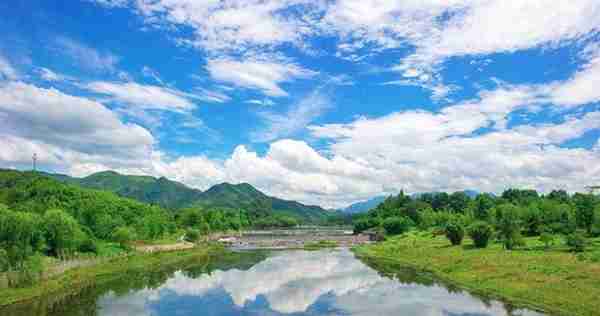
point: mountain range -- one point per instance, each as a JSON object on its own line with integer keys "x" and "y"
{"x": 363, "y": 206}
{"x": 175, "y": 195}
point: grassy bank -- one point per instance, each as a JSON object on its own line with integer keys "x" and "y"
{"x": 76, "y": 279}
{"x": 554, "y": 280}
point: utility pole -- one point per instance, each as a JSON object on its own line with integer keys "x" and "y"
{"x": 34, "y": 158}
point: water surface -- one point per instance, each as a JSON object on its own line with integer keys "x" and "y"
{"x": 328, "y": 282}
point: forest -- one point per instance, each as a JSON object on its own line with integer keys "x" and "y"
{"x": 507, "y": 218}
{"x": 41, "y": 217}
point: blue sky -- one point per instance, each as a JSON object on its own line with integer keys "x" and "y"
{"x": 326, "y": 102}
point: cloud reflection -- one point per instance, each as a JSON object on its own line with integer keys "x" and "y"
{"x": 300, "y": 282}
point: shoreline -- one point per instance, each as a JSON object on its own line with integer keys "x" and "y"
{"x": 74, "y": 280}
{"x": 553, "y": 283}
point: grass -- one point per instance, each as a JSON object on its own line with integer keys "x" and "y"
{"x": 74, "y": 280}
{"x": 321, "y": 244}
{"x": 553, "y": 280}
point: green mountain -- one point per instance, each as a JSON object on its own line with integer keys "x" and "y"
{"x": 175, "y": 195}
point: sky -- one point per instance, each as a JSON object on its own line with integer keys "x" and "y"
{"x": 327, "y": 102}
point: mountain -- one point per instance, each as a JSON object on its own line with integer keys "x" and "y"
{"x": 364, "y": 206}
{"x": 175, "y": 195}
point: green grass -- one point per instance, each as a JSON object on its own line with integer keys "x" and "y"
{"x": 554, "y": 280}
{"x": 77, "y": 279}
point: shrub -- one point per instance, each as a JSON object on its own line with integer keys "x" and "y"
{"x": 397, "y": 225}
{"x": 123, "y": 235}
{"x": 191, "y": 235}
{"x": 480, "y": 232}
{"x": 455, "y": 232}
{"x": 576, "y": 242}
{"x": 548, "y": 239}
{"x": 88, "y": 245}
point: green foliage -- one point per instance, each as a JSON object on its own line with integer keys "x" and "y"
{"x": 508, "y": 223}
{"x": 547, "y": 239}
{"x": 480, "y": 232}
{"x": 192, "y": 235}
{"x": 576, "y": 242}
{"x": 584, "y": 206}
{"x": 455, "y": 232}
{"x": 61, "y": 231}
{"x": 397, "y": 225}
{"x": 21, "y": 236}
{"x": 123, "y": 235}
{"x": 483, "y": 204}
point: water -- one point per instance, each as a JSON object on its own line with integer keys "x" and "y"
{"x": 328, "y": 282}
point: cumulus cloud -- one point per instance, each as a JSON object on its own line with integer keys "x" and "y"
{"x": 257, "y": 74}
{"x": 65, "y": 129}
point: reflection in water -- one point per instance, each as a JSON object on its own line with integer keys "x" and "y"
{"x": 299, "y": 283}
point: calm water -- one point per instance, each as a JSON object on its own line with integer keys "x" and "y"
{"x": 329, "y": 282}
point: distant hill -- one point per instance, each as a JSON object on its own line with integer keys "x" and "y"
{"x": 175, "y": 195}
{"x": 364, "y": 206}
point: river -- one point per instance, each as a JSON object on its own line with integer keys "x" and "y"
{"x": 324, "y": 282}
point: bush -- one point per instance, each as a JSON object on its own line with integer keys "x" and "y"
{"x": 88, "y": 245}
{"x": 548, "y": 239}
{"x": 123, "y": 235}
{"x": 455, "y": 232}
{"x": 480, "y": 232}
{"x": 576, "y": 242}
{"x": 397, "y": 225}
{"x": 191, "y": 235}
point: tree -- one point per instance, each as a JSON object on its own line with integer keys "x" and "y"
{"x": 576, "y": 242}
{"x": 455, "y": 232}
{"x": 480, "y": 232}
{"x": 21, "y": 236}
{"x": 584, "y": 205}
{"x": 397, "y": 225}
{"x": 508, "y": 222}
{"x": 459, "y": 201}
{"x": 61, "y": 231}
{"x": 483, "y": 204}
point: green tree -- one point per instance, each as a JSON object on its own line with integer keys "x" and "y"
{"x": 455, "y": 232}
{"x": 480, "y": 232}
{"x": 547, "y": 239}
{"x": 508, "y": 222}
{"x": 397, "y": 225}
{"x": 483, "y": 204}
{"x": 576, "y": 242}
{"x": 61, "y": 231}
{"x": 584, "y": 204}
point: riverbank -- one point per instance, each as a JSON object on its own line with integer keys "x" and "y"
{"x": 76, "y": 279}
{"x": 554, "y": 281}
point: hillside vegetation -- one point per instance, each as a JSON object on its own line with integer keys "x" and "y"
{"x": 174, "y": 195}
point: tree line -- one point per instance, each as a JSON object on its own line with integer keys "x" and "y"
{"x": 41, "y": 217}
{"x": 507, "y": 218}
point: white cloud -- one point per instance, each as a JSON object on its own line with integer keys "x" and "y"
{"x": 144, "y": 97}
{"x": 87, "y": 57}
{"x": 233, "y": 25}
{"x": 582, "y": 87}
{"x": 64, "y": 129}
{"x": 49, "y": 75}
{"x": 257, "y": 74}
{"x": 294, "y": 120}
{"x": 151, "y": 73}
{"x": 212, "y": 96}
{"x": 7, "y": 71}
